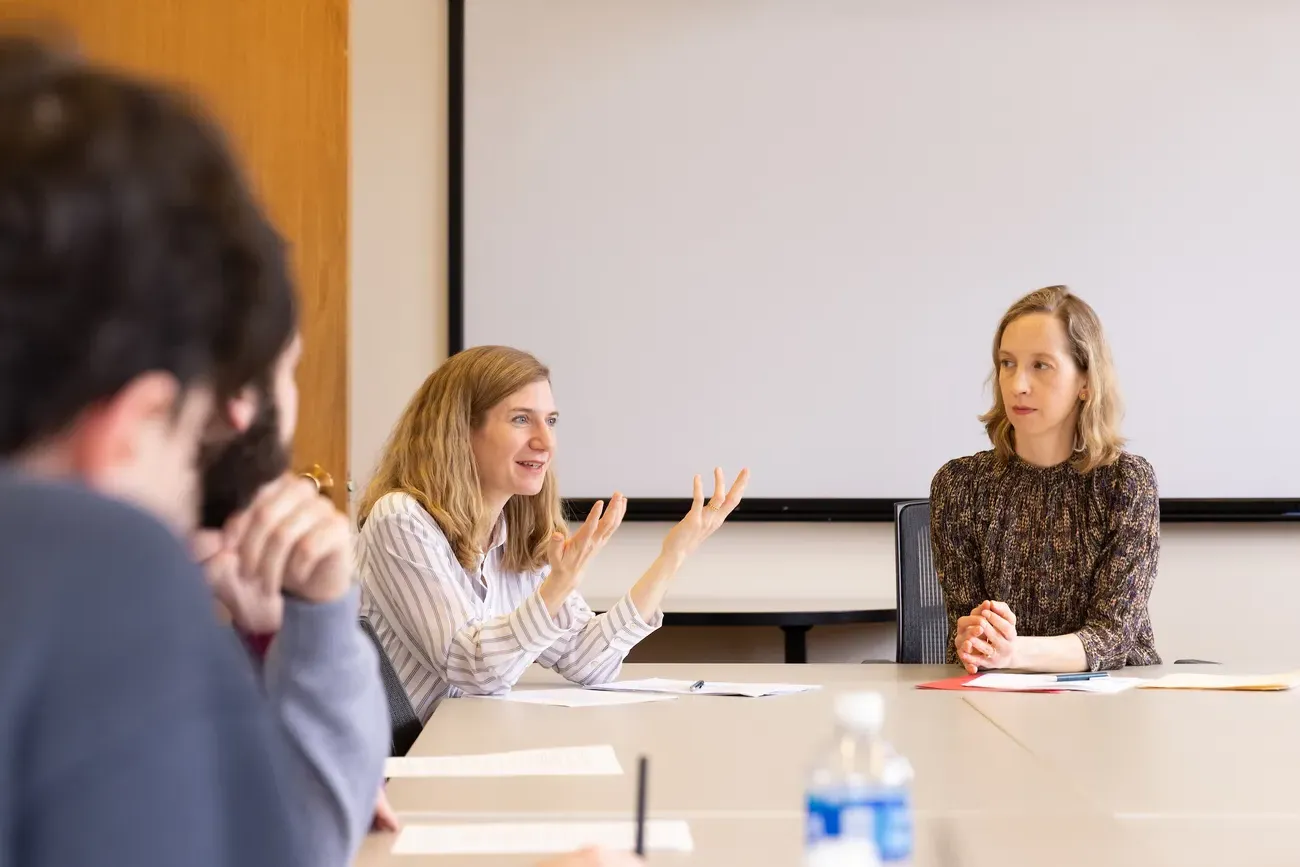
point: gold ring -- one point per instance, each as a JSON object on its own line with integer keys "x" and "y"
{"x": 715, "y": 508}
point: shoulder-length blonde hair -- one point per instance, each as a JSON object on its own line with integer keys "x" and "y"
{"x": 429, "y": 457}
{"x": 1097, "y": 440}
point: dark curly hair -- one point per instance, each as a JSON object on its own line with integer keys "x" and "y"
{"x": 129, "y": 243}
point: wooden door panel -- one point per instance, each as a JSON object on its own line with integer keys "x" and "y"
{"x": 275, "y": 74}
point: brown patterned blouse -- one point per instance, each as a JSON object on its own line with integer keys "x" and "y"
{"x": 1068, "y": 552}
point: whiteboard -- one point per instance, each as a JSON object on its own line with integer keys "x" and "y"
{"x": 780, "y": 233}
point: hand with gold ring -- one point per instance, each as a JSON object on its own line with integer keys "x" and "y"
{"x": 701, "y": 522}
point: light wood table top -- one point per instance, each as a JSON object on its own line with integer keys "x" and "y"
{"x": 1165, "y": 753}
{"x": 958, "y": 841}
{"x": 1143, "y": 778}
{"x": 712, "y": 753}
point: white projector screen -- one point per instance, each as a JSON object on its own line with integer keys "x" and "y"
{"x": 780, "y": 233}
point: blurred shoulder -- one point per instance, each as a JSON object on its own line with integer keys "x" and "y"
{"x": 98, "y": 572}
{"x": 63, "y": 523}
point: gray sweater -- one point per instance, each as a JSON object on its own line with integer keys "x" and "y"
{"x": 133, "y": 727}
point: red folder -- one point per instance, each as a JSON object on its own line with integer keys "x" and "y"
{"x": 949, "y": 683}
{"x": 959, "y": 683}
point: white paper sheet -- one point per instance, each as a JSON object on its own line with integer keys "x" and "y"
{"x": 1256, "y": 683}
{"x": 1048, "y": 682}
{"x": 554, "y": 762}
{"x": 513, "y": 838}
{"x": 575, "y": 697}
{"x": 710, "y": 687}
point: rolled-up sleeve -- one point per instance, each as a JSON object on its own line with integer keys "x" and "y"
{"x": 594, "y": 646}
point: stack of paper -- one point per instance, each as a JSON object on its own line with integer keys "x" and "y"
{"x": 1049, "y": 683}
{"x": 1258, "y": 683}
{"x": 530, "y": 838}
{"x": 709, "y": 687}
{"x": 555, "y": 762}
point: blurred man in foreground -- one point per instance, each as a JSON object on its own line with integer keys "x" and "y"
{"x": 140, "y": 289}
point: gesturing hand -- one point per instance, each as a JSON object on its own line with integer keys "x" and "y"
{"x": 569, "y": 557}
{"x": 702, "y": 521}
{"x": 986, "y": 638}
{"x": 609, "y": 521}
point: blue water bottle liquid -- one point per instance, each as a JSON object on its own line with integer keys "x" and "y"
{"x": 859, "y": 809}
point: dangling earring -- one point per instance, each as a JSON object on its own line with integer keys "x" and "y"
{"x": 1079, "y": 445}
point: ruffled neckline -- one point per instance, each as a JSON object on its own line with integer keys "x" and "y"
{"x": 1022, "y": 465}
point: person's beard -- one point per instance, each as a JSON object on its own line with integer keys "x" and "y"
{"x": 234, "y": 470}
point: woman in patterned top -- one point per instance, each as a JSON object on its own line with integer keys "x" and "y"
{"x": 469, "y": 574}
{"x": 1046, "y": 545}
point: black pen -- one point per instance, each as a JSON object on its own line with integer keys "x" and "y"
{"x": 640, "y": 805}
{"x": 699, "y": 684}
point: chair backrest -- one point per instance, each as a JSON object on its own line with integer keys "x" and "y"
{"x": 922, "y": 619}
{"x": 405, "y": 724}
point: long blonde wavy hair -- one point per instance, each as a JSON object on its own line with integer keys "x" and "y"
{"x": 429, "y": 457}
{"x": 1097, "y": 440}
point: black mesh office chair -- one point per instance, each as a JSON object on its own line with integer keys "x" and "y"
{"x": 406, "y": 725}
{"x": 922, "y": 619}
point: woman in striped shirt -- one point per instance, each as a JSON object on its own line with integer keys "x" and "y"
{"x": 468, "y": 571}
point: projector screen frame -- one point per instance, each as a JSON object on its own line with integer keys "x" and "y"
{"x": 814, "y": 510}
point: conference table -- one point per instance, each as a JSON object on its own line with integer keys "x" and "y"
{"x": 1144, "y": 777}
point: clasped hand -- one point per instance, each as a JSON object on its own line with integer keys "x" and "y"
{"x": 986, "y": 638}
{"x": 289, "y": 540}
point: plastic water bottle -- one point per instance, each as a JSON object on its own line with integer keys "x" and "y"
{"x": 859, "y": 809}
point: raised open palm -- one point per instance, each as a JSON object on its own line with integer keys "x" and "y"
{"x": 702, "y": 521}
{"x": 569, "y": 557}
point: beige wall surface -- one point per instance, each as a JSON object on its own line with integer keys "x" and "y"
{"x": 1224, "y": 592}
{"x": 399, "y": 190}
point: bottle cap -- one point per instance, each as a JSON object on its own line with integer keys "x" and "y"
{"x": 860, "y": 710}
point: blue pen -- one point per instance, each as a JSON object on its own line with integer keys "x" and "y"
{"x": 1083, "y": 675}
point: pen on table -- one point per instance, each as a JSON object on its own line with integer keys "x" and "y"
{"x": 640, "y": 805}
{"x": 699, "y": 684}
{"x": 1082, "y": 675}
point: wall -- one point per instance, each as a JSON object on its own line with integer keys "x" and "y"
{"x": 399, "y": 187}
{"x": 1224, "y": 592}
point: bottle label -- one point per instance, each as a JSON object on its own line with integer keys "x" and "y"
{"x": 882, "y": 816}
